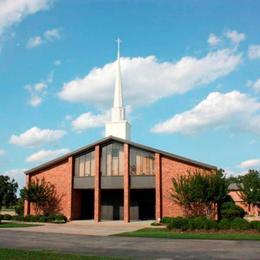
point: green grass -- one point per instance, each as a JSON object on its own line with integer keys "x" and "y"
{"x": 163, "y": 233}
{"x": 15, "y": 225}
{"x": 16, "y": 254}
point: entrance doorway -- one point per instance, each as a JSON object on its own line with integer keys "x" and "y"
{"x": 87, "y": 204}
{"x": 142, "y": 204}
{"x": 112, "y": 206}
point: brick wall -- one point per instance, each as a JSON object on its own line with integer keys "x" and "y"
{"x": 172, "y": 168}
{"x": 239, "y": 202}
{"x": 60, "y": 175}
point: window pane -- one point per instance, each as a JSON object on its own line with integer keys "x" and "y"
{"x": 81, "y": 165}
{"x": 141, "y": 162}
{"x": 92, "y": 170}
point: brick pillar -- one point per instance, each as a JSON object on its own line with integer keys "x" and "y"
{"x": 70, "y": 200}
{"x": 126, "y": 184}
{"x": 158, "y": 187}
{"x": 97, "y": 192}
{"x": 26, "y": 203}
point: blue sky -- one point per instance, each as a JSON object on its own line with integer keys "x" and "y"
{"x": 190, "y": 74}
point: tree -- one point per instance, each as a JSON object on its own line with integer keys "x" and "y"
{"x": 200, "y": 193}
{"x": 249, "y": 188}
{"x": 8, "y": 188}
{"x": 43, "y": 196}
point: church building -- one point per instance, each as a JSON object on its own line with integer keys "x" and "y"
{"x": 114, "y": 178}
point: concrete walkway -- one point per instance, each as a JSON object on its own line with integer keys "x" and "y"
{"x": 86, "y": 227}
{"x": 131, "y": 247}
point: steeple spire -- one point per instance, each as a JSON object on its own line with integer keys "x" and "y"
{"x": 118, "y": 111}
{"x": 118, "y": 126}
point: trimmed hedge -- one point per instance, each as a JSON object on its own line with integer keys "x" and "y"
{"x": 203, "y": 223}
{"x": 230, "y": 210}
{"x": 58, "y": 218}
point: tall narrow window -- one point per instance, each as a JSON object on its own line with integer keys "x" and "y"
{"x": 141, "y": 162}
{"x": 85, "y": 164}
{"x": 112, "y": 160}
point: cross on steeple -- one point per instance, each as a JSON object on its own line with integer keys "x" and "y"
{"x": 119, "y": 41}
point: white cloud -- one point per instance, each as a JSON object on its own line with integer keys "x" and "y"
{"x": 36, "y": 136}
{"x": 213, "y": 40}
{"x": 57, "y": 62}
{"x": 46, "y": 155}
{"x": 235, "y": 36}
{"x": 146, "y": 80}
{"x": 2, "y": 152}
{"x": 254, "y": 52}
{"x": 89, "y": 120}
{"x": 254, "y": 85}
{"x": 34, "y": 42}
{"x": 38, "y": 91}
{"x": 14, "y": 11}
{"x": 48, "y": 36}
{"x": 52, "y": 34}
{"x": 18, "y": 175}
{"x": 250, "y": 164}
{"x": 231, "y": 110}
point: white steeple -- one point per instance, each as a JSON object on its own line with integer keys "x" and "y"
{"x": 118, "y": 127}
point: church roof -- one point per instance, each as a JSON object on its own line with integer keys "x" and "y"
{"x": 116, "y": 139}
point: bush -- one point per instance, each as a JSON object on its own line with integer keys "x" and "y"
{"x": 60, "y": 219}
{"x": 224, "y": 224}
{"x": 229, "y": 210}
{"x": 240, "y": 224}
{"x": 18, "y": 218}
{"x": 178, "y": 223}
{"x": 7, "y": 217}
{"x": 166, "y": 220}
{"x": 19, "y": 207}
{"x": 202, "y": 223}
{"x": 43, "y": 219}
{"x": 1, "y": 217}
{"x": 255, "y": 225}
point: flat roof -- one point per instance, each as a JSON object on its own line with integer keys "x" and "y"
{"x": 116, "y": 139}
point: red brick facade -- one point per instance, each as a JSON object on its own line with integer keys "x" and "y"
{"x": 60, "y": 174}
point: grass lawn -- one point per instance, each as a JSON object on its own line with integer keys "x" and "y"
{"x": 15, "y": 225}
{"x": 16, "y": 254}
{"x": 164, "y": 233}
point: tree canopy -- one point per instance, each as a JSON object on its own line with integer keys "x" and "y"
{"x": 8, "y": 188}
{"x": 199, "y": 192}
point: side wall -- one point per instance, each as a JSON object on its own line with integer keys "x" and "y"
{"x": 171, "y": 168}
{"x": 239, "y": 202}
{"x": 60, "y": 176}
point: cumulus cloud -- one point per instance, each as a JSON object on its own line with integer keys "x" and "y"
{"x": 14, "y": 11}
{"x": 89, "y": 120}
{"x": 213, "y": 40}
{"x": 36, "y": 136}
{"x": 146, "y": 79}
{"x": 230, "y": 110}
{"x": 250, "y": 164}
{"x": 254, "y": 85}
{"x": 2, "y": 152}
{"x": 48, "y": 36}
{"x": 17, "y": 175}
{"x": 235, "y": 37}
{"x": 38, "y": 91}
{"x": 34, "y": 42}
{"x": 46, "y": 155}
{"x": 253, "y": 52}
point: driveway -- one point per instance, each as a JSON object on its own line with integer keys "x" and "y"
{"x": 130, "y": 247}
{"x": 85, "y": 227}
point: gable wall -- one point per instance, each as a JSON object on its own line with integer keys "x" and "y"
{"x": 171, "y": 168}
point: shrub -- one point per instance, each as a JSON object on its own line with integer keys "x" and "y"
{"x": 59, "y": 218}
{"x": 224, "y": 224}
{"x": 255, "y": 225}
{"x": 18, "y": 218}
{"x": 240, "y": 224}
{"x": 230, "y": 210}
{"x": 43, "y": 219}
{"x": 7, "y": 217}
{"x": 178, "y": 223}
{"x": 166, "y": 220}
{"x": 1, "y": 217}
{"x": 19, "y": 207}
{"x": 202, "y": 223}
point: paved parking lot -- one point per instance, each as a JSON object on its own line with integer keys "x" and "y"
{"x": 85, "y": 227}
{"x": 130, "y": 247}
